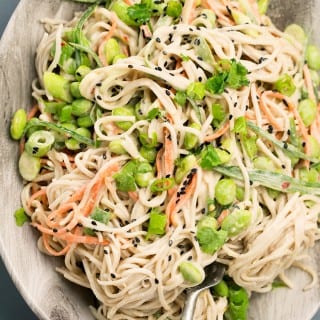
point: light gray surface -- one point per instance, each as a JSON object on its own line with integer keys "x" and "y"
{"x": 8, "y": 153}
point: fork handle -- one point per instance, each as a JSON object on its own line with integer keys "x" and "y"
{"x": 190, "y": 305}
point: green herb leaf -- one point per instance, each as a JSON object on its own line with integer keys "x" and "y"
{"x": 217, "y": 83}
{"x": 211, "y": 240}
{"x": 153, "y": 113}
{"x": 157, "y": 223}
{"x": 20, "y": 217}
{"x": 240, "y": 125}
{"x": 209, "y": 158}
{"x": 180, "y": 98}
{"x": 140, "y": 13}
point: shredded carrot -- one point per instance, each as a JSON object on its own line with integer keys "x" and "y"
{"x": 106, "y": 38}
{"x": 168, "y": 165}
{"x": 222, "y": 130}
{"x": 133, "y": 195}
{"x": 33, "y": 112}
{"x": 263, "y": 106}
{"x": 177, "y": 201}
{"x": 22, "y": 144}
{"x": 128, "y": 2}
{"x": 223, "y": 215}
{"x": 52, "y": 251}
{"x": 35, "y": 195}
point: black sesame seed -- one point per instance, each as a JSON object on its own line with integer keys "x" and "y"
{"x": 99, "y": 84}
{"x": 200, "y": 79}
{"x": 80, "y": 225}
{"x": 203, "y": 210}
{"x": 235, "y": 104}
{"x": 156, "y": 281}
{"x": 112, "y": 275}
{"x": 285, "y": 145}
{"x": 189, "y": 258}
{"x": 174, "y": 27}
{"x": 99, "y": 97}
{"x": 247, "y": 107}
{"x": 94, "y": 223}
{"x": 130, "y": 66}
{"x": 168, "y": 92}
{"x": 158, "y": 39}
{"x": 169, "y": 257}
{"x": 199, "y": 58}
{"x": 171, "y": 74}
{"x": 285, "y": 102}
{"x": 283, "y": 166}
{"x": 251, "y": 182}
{"x": 104, "y": 156}
{"x": 35, "y": 150}
{"x": 55, "y": 230}
{"x": 288, "y": 132}
{"x": 197, "y": 41}
{"x": 170, "y": 243}
{"x": 303, "y": 144}
{"x": 230, "y": 116}
{"x": 270, "y": 128}
{"x": 194, "y": 170}
{"x": 106, "y": 251}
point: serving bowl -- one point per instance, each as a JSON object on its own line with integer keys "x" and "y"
{"x": 46, "y": 292}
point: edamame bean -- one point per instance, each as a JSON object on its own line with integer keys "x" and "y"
{"x": 296, "y": 32}
{"x": 209, "y": 222}
{"x": 143, "y": 174}
{"x": 307, "y": 109}
{"x": 184, "y": 167}
{"x": 313, "y": 57}
{"x": 116, "y": 147}
{"x": 314, "y": 147}
{"x": 39, "y": 143}
{"x": 221, "y": 289}
{"x": 315, "y": 77}
{"x": 81, "y": 107}
{"x": 236, "y": 222}
{"x": 75, "y": 89}
{"x": 174, "y": 8}
{"x": 123, "y": 111}
{"x": 57, "y": 86}
{"x": 121, "y": 10}
{"x": 190, "y": 139}
{"x": 18, "y": 124}
{"x": 65, "y": 114}
{"x": 111, "y": 50}
{"x": 225, "y": 191}
{"x": 118, "y": 57}
{"x": 148, "y": 154}
{"x": 29, "y": 166}
{"x": 285, "y": 85}
{"x": 191, "y": 272}
{"x": 85, "y": 122}
{"x": 264, "y": 163}
{"x": 81, "y": 72}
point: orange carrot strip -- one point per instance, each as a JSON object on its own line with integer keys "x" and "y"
{"x": 222, "y": 130}
{"x": 222, "y": 216}
{"x": 33, "y": 112}
{"x": 128, "y": 2}
{"x": 36, "y": 195}
{"x": 133, "y": 195}
{"x": 52, "y": 251}
{"x": 176, "y": 203}
{"x": 168, "y": 154}
{"x": 266, "y": 110}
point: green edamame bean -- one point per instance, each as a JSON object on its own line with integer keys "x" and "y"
{"x": 18, "y": 124}
{"x": 116, "y": 147}
{"x": 264, "y": 163}
{"x": 307, "y": 109}
{"x": 313, "y": 57}
{"x": 85, "y": 122}
{"x": 148, "y": 154}
{"x": 65, "y": 114}
{"x": 190, "y": 139}
{"x": 184, "y": 167}
{"x": 225, "y": 191}
{"x": 221, "y": 289}
{"x": 208, "y": 222}
{"x": 81, "y": 72}
{"x": 75, "y": 89}
{"x": 315, "y": 77}
{"x": 123, "y": 111}
{"x": 143, "y": 174}
{"x": 81, "y": 107}
{"x": 118, "y": 57}
{"x": 296, "y": 32}
{"x": 111, "y": 50}
{"x": 174, "y": 8}
{"x": 39, "y": 143}
{"x": 314, "y": 147}
{"x": 285, "y": 85}
{"x": 191, "y": 272}
{"x": 29, "y": 166}
{"x": 236, "y": 222}
{"x": 121, "y": 10}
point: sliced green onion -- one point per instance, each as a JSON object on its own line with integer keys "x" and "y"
{"x": 272, "y": 180}
{"x": 39, "y": 143}
{"x": 29, "y": 166}
{"x": 18, "y": 124}
{"x": 287, "y": 147}
{"x": 285, "y": 85}
{"x": 162, "y": 184}
{"x": 21, "y": 217}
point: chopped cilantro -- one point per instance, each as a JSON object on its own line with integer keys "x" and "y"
{"x": 153, "y": 113}
{"x": 140, "y": 13}
{"x": 231, "y": 74}
{"x": 20, "y": 217}
{"x": 211, "y": 240}
{"x": 180, "y": 98}
{"x": 209, "y": 158}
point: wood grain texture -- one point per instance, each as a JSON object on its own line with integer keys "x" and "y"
{"x": 48, "y": 294}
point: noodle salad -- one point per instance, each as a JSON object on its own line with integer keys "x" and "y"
{"x": 167, "y": 135}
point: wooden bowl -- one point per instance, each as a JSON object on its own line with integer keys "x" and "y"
{"x": 47, "y": 293}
